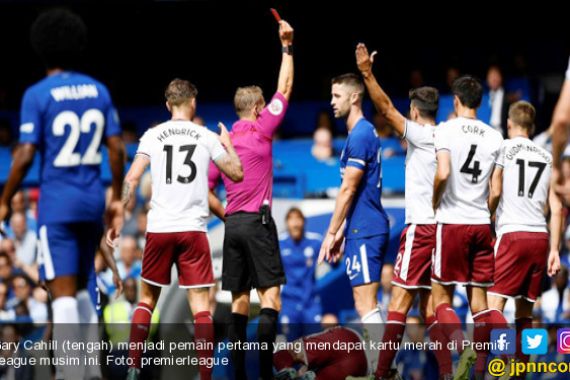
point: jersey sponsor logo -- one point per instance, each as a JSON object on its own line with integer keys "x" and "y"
{"x": 27, "y": 128}
{"x": 276, "y": 107}
{"x": 78, "y": 92}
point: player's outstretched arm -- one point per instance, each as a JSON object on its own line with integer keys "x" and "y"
{"x": 330, "y": 249}
{"x": 496, "y": 189}
{"x": 556, "y": 227}
{"x": 132, "y": 179}
{"x": 229, "y": 163}
{"x": 561, "y": 123}
{"x": 441, "y": 175}
{"x": 286, "y": 72}
{"x": 380, "y": 99}
{"x": 23, "y": 159}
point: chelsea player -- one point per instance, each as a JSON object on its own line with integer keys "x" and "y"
{"x": 65, "y": 117}
{"x": 359, "y": 220}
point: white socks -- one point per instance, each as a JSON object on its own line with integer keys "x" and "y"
{"x": 66, "y": 327}
{"x": 373, "y": 330}
{"x": 90, "y": 331}
{"x": 75, "y": 319}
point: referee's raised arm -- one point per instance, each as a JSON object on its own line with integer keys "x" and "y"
{"x": 251, "y": 257}
{"x": 286, "y": 73}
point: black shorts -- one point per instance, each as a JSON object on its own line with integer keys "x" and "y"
{"x": 251, "y": 254}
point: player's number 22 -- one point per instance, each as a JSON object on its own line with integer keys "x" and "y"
{"x": 67, "y": 155}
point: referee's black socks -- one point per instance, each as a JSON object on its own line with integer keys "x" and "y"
{"x": 237, "y": 333}
{"x": 266, "y": 332}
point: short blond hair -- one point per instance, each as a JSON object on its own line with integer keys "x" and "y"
{"x": 522, "y": 113}
{"x": 179, "y": 91}
{"x": 246, "y": 98}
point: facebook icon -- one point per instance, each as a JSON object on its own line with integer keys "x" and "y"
{"x": 503, "y": 341}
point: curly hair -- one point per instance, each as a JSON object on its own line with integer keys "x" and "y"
{"x": 59, "y": 37}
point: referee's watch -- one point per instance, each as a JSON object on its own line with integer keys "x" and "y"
{"x": 287, "y": 49}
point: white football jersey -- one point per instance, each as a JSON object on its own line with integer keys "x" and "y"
{"x": 526, "y": 182}
{"x": 474, "y": 147}
{"x": 420, "y": 171}
{"x": 180, "y": 153}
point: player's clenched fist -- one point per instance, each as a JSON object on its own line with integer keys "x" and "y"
{"x": 285, "y": 33}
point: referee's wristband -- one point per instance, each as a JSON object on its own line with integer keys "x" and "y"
{"x": 287, "y": 49}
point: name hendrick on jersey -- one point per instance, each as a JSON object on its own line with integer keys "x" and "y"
{"x": 180, "y": 154}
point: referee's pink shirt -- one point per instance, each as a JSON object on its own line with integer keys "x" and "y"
{"x": 253, "y": 144}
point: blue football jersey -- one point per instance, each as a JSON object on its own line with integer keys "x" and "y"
{"x": 66, "y": 116}
{"x": 299, "y": 263}
{"x": 362, "y": 150}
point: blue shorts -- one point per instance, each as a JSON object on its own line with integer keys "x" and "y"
{"x": 298, "y": 320}
{"x": 363, "y": 259}
{"x": 68, "y": 249}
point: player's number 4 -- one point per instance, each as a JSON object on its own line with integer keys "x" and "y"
{"x": 67, "y": 156}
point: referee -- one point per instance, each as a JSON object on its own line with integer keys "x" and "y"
{"x": 251, "y": 256}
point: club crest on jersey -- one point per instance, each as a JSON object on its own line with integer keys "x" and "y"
{"x": 309, "y": 252}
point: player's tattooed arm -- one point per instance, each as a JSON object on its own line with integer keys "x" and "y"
{"x": 229, "y": 163}
{"x": 115, "y": 213}
{"x": 133, "y": 177}
{"x": 380, "y": 99}
{"x": 496, "y": 189}
{"x": 441, "y": 175}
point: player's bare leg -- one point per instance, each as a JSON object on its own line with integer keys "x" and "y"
{"x": 496, "y": 302}
{"x": 240, "y": 303}
{"x": 237, "y": 330}
{"x": 199, "y": 301}
{"x": 140, "y": 326}
{"x": 365, "y": 298}
{"x": 270, "y": 299}
{"x": 477, "y": 297}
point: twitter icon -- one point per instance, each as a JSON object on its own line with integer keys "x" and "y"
{"x": 534, "y": 341}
